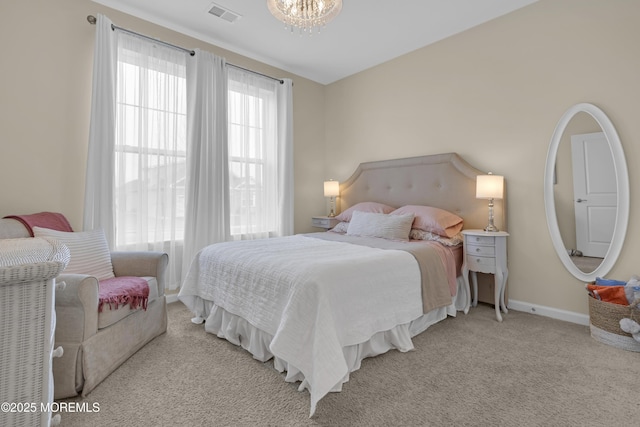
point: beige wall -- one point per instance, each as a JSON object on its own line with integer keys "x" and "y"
{"x": 45, "y": 89}
{"x": 494, "y": 95}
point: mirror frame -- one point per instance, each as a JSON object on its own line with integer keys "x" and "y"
{"x": 622, "y": 179}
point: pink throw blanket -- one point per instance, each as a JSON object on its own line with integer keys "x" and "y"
{"x": 122, "y": 290}
{"x": 51, "y": 220}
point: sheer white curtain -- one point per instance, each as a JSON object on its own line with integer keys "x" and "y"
{"x": 207, "y": 219}
{"x": 285, "y": 158}
{"x": 168, "y": 129}
{"x": 260, "y": 156}
{"x": 98, "y": 199}
{"x": 150, "y": 149}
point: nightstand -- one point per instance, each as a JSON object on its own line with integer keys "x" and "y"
{"x": 486, "y": 252}
{"x": 325, "y": 222}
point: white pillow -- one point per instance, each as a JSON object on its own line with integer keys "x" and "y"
{"x": 392, "y": 227}
{"x": 89, "y": 251}
{"x": 341, "y": 227}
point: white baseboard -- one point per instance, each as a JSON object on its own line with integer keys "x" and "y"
{"x": 171, "y": 298}
{"x": 554, "y": 313}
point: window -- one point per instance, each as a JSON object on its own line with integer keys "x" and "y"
{"x": 150, "y": 151}
{"x": 151, "y": 148}
{"x": 253, "y": 155}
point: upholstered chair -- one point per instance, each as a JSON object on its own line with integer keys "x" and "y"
{"x": 98, "y": 337}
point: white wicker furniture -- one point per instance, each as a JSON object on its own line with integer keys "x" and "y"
{"x": 28, "y": 268}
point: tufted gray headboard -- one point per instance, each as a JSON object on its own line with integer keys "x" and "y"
{"x": 445, "y": 181}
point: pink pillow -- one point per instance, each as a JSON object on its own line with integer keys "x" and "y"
{"x": 372, "y": 207}
{"x": 435, "y": 220}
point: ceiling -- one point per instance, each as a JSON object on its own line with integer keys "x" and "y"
{"x": 366, "y": 33}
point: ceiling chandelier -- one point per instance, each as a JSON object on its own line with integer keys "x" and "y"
{"x": 305, "y": 14}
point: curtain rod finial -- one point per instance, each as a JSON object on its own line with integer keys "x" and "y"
{"x": 91, "y": 19}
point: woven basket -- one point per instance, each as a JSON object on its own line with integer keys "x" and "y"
{"x": 604, "y": 323}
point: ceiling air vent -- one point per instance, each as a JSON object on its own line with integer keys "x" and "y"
{"x": 223, "y": 13}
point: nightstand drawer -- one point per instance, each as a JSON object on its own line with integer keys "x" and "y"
{"x": 489, "y": 251}
{"x": 481, "y": 264}
{"x": 321, "y": 222}
{"x": 324, "y": 222}
{"x": 481, "y": 240}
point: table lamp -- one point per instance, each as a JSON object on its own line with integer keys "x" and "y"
{"x": 490, "y": 187}
{"x": 331, "y": 190}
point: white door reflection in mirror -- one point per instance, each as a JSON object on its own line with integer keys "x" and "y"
{"x": 560, "y": 203}
{"x": 594, "y": 194}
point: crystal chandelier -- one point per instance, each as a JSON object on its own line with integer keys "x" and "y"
{"x": 305, "y": 14}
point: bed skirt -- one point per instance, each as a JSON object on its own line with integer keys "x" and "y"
{"x": 239, "y": 331}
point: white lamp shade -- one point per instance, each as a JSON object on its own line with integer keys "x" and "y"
{"x": 331, "y": 188}
{"x": 489, "y": 186}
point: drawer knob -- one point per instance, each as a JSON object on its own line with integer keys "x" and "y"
{"x": 477, "y": 249}
{"x": 58, "y": 352}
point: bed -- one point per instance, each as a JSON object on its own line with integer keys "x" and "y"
{"x": 319, "y": 303}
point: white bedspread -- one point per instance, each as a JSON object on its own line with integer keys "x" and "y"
{"x": 304, "y": 292}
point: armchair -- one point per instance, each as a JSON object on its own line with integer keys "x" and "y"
{"x": 97, "y": 342}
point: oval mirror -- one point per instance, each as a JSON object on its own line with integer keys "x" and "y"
{"x": 586, "y": 192}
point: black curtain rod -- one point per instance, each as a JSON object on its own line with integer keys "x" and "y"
{"x": 255, "y": 72}
{"x": 92, "y": 21}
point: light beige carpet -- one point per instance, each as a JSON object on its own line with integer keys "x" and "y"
{"x": 586, "y": 264}
{"x": 465, "y": 371}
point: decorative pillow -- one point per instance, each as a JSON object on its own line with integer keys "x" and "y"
{"x": 341, "y": 227}
{"x": 373, "y": 207}
{"x": 435, "y": 220}
{"x": 89, "y": 251}
{"x": 368, "y": 224}
{"x": 417, "y": 234}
